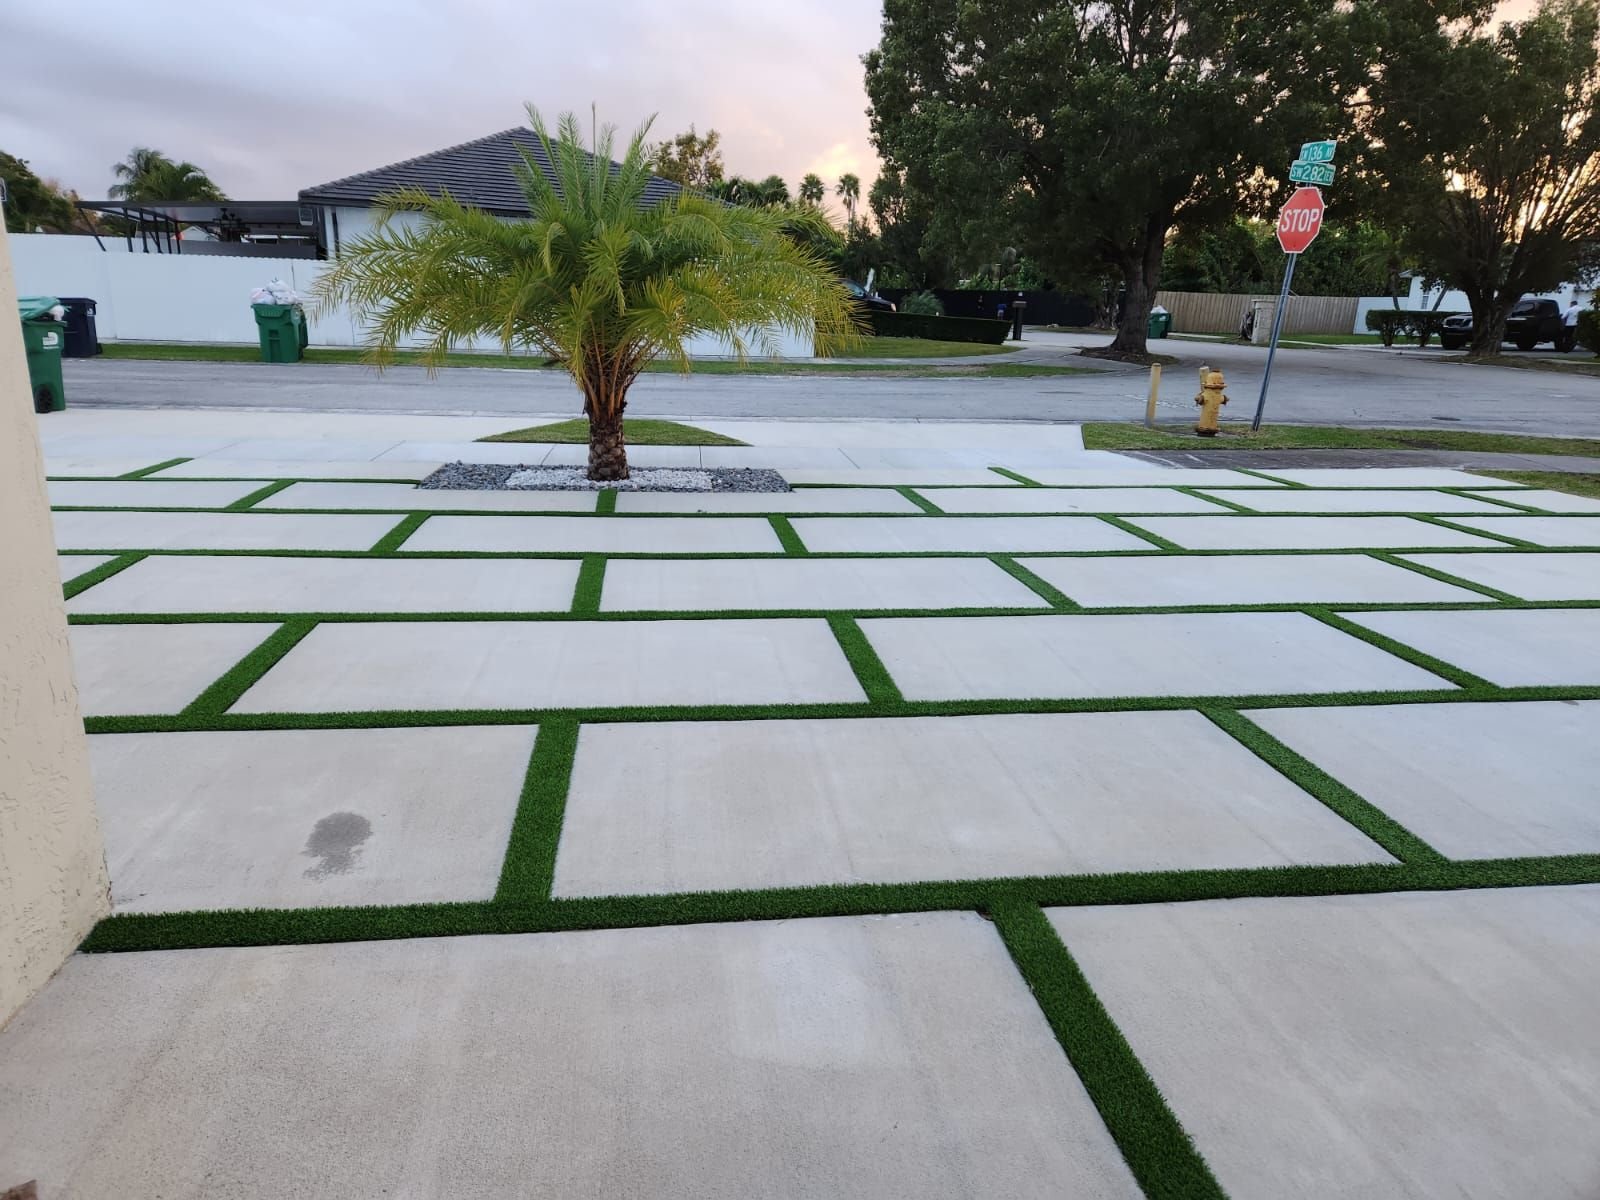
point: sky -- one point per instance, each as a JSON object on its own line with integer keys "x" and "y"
{"x": 278, "y": 95}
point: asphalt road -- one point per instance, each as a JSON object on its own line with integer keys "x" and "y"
{"x": 1356, "y": 387}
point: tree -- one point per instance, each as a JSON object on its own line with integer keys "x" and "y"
{"x": 1498, "y": 182}
{"x": 848, "y": 190}
{"x": 33, "y": 203}
{"x": 771, "y": 190}
{"x": 1084, "y": 133}
{"x": 689, "y": 159}
{"x": 151, "y": 176}
{"x": 912, "y": 257}
{"x": 594, "y": 278}
{"x": 812, "y": 189}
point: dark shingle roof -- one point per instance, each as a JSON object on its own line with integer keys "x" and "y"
{"x": 479, "y": 173}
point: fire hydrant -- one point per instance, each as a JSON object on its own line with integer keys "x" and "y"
{"x": 1210, "y": 401}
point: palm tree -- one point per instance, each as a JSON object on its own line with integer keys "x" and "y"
{"x": 150, "y": 175}
{"x": 812, "y": 189}
{"x": 594, "y": 278}
{"x": 849, "y": 191}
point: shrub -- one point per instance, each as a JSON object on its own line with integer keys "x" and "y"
{"x": 949, "y": 329}
{"x": 1589, "y": 331}
{"x": 922, "y": 304}
{"x": 1418, "y": 323}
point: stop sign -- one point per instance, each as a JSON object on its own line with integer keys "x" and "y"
{"x": 1300, "y": 221}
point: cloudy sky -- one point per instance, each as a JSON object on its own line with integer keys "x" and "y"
{"x": 276, "y": 95}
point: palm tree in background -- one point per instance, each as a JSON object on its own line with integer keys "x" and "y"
{"x": 150, "y": 175}
{"x": 595, "y": 278}
{"x": 812, "y": 189}
{"x": 849, "y": 192}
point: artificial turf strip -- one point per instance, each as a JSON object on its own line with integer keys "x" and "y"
{"x": 871, "y": 674}
{"x": 1457, "y": 676}
{"x": 395, "y": 538}
{"x": 606, "y": 502}
{"x": 788, "y": 538}
{"x": 1313, "y": 780}
{"x": 264, "y": 927}
{"x": 1158, "y": 1151}
{"x": 160, "y": 466}
{"x": 81, "y": 583}
{"x": 1218, "y": 501}
{"x": 1504, "y": 538}
{"x": 1022, "y": 479}
{"x": 591, "y": 579}
{"x": 1155, "y": 539}
{"x": 1483, "y": 589}
{"x": 1047, "y": 591}
{"x": 225, "y": 691}
{"x": 260, "y": 494}
{"x": 530, "y": 863}
{"x": 921, "y": 501}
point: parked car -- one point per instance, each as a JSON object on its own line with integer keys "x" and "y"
{"x": 868, "y": 299}
{"x": 1531, "y": 322}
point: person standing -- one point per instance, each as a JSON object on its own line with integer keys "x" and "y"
{"x": 1569, "y": 327}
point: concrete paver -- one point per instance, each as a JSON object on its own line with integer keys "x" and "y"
{"x": 73, "y": 565}
{"x": 220, "y": 531}
{"x": 141, "y": 669}
{"x": 404, "y": 497}
{"x": 244, "y": 584}
{"x": 1306, "y": 533}
{"x": 1471, "y": 780}
{"x": 298, "y": 468}
{"x": 1509, "y": 647}
{"x": 1527, "y": 575}
{"x": 898, "y": 476}
{"x": 137, "y": 493}
{"x": 672, "y": 807}
{"x": 819, "y": 500}
{"x": 1541, "y": 531}
{"x": 353, "y": 667}
{"x": 597, "y": 535}
{"x": 1555, "y": 502}
{"x": 1175, "y": 654}
{"x": 1379, "y": 477}
{"x": 1307, "y": 500}
{"x": 1145, "y": 476}
{"x": 1068, "y": 500}
{"x": 1418, "y": 1045}
{"x": 1010, "y": 535}
{"x": 1148, "y": 581}
{"x": 304, "y": 818}
{"x": 896, "y": 1057}
{"x": 65, "y": 466}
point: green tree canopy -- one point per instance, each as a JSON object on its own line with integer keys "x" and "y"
{"x": 812, "y": 189}
{"x": 33, "y": 203}
{"x": 848, "y": 189}
{"x": 150, "y": 175}
{"x": 689, "y": 158}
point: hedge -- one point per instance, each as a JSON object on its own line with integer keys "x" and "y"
{"x": 1392, "y": 323}
{"x": 1589, "y": 331}
{"x": 947, "y": 329}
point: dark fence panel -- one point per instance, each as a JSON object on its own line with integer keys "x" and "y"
{"x": 1044, "y": 308}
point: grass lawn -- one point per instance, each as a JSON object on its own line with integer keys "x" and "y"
{"x": 637, "y": 433}
{"x": 1330, "y": 339}
{"x": 1577, "y": 365}
{"x": 900, "y": 347}
{"x": 1312, "y": 437}
{"x": 1575, "y": 483}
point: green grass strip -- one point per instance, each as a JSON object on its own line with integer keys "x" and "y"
{"x": 873, "y": 676}
{"x": 255, "y": 497}
{"x": 1155, "y": 539}
{"x": 100, "y": 574}
{"x": 921, "y": 501}
{"x": 1022, "y": 479}
{"x": 1482, "y": 589}
{"x": 1504, "y": 538}
{"x": 395, "y": 538}
{"x": 1308, "y": 777}
{"x": 160, "y": 466}
{"x": 591, "y": 579}
{"x": 1056, "y": 597}
{"x": 1389, "y": 645}
{"x": 1270, "y": 478}
{"x": 1158, "y": 1151}
{"x": 530, "y": 862}
{"x": 1500, "y": 499}
{"x": 1217, "y": 501}
{"x": 785, "y": 530}
{"x": 247, "y": 672}
{"x": 606, "y": 502}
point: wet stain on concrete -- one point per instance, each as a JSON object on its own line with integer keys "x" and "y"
{"x": 336, "y": 842}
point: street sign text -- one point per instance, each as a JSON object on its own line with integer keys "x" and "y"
{"x": 1319, "y": 173}
{"x": 1318, "y": 152}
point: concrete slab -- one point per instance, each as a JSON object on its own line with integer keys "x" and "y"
{"x": 911, "y": 435}
{"x": 1174, "y": 654}
{"x": 1417, "y": 1045}
{"x": 1307, "y": 500}
{"x": 896, "y": 1057}
{"x": 519, "y": 453}
{"x": 73, "y": 565}
{"x": 650, "y": 584}
{"x": 71, "y": 466}
{"x": 1527, "y": 575}
{"x": 807, "y": 500}
{"x": 1385, "y": 477}
{"x": 1304, "y": 533}
{"x": 899, "y": 476}
{"x": 1006, "y": 535}
{"x": 1067, "y": 500}
{"x": 1147, "y": 475}
{"x": 597, "y": 535}
{"x": 1170, "y": 579}
{"x": 136, "y": 493}
{"x": 219, "y": 531}
{"x": 1509, "y": 647}
{"x": 775, "y": 458}
{"x": 405, "y": 498}
{"x": 1541, "y": 531}
{"x": 147, "y": 449}
{"x": 327, "y": 449}
{"x": 1471, "y": 780}
{"x": 231, "y": 468}
{"x": 242, "y": 584}
{"x": 566, "y": 664}
{"x": 709, "y": 806}
{"x": 306, "y": 818}
{"x": 136, "y": 670}
{"x": 1555, "y": 502}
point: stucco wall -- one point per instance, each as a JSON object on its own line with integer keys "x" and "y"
{"x": 53, "y": 884}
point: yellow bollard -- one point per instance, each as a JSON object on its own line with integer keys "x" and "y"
{"x": 1210, "y": 400}
{"x": 1155, "y": 394}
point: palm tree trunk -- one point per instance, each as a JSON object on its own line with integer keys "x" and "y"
{"x": 608, "y": 454}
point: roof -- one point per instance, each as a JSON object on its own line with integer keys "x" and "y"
{"x": 479, "y": 173}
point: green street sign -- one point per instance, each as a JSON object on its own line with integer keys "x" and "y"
{"x": 1318, "y": 174}
{"x": 1318, "y": 152}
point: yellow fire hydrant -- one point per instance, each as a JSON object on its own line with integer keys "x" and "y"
{"x": 1210, "y": 401}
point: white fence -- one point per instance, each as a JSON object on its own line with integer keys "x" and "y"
{"x": 202, "y": 298}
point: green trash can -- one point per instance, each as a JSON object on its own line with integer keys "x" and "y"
{"x": 282, "y": 329}
{"x": 1160, "y": 325}
{"x": 43, "y": 339}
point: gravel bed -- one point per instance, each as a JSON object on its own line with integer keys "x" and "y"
{"x": 485, "y": 477}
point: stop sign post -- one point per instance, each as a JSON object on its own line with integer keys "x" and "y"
{"x": 1299, "y": 222}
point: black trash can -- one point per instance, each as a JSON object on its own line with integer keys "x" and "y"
{"x": 82, "y": 341}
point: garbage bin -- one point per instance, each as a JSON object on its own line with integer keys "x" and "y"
{"x": 42, "y": 339}
{"x": 281, "y": 328}
{"x": 83, "y": 340}
{"x": 1160, "y": 325}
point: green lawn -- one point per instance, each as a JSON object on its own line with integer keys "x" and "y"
{"x": 899, "y": 347}
{"x": 637, "y": 433}
{"x": 1575, "y": 483}
{"x": 1330, "y": 339}
{"x": 1312, "y": 437}
{"x": 1576, "y": 364}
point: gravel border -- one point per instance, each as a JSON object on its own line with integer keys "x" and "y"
{"x": 481, "y": 477}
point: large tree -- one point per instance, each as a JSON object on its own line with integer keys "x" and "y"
{"x": 812, "y": 189}
{"x": 151, "y": 176}
{"x": 1092, "y": 128}
{"x": 32, "y": 203}
{"x": 692, "y": 159}
{"x": 1486, "y": 141}
{"x": 595, "y": 278}
{"x": 848, "y": 189}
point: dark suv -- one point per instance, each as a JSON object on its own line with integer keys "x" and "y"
{"x": 1530, "y": 323}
